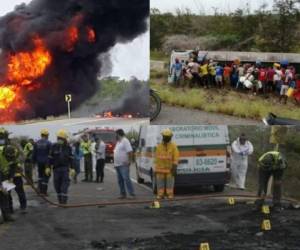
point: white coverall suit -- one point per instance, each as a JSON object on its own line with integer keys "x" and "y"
{"x": 239, "y": 162}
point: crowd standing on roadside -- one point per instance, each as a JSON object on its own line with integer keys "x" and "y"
{"x": 280, "y": 79}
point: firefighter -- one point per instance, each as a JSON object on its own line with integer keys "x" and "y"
{"x": 4, "y": 175}
{"x": 86, "y": 147}
{"x": 270, "y": 164}
{"x": 12, "y": 171}
{"x": 41, "y": 158}
{"x": 61, "y": 162}
{"x": 166, "y": 161}
{"x": 28, "y": 165}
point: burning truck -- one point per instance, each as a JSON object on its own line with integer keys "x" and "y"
{"x": 50, "y": 48}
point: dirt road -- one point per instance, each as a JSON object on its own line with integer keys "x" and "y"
{"x": 178, "y": 115}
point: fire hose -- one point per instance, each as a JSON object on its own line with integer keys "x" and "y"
{"x": 146, "y": 201}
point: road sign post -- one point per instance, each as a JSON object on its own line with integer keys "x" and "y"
{"x": 68, "y": 99}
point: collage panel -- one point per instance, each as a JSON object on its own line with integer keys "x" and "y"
{"x": 68, "y": 60}
{"x": 147, "y": 124}
{"x": 225, "y": 62}
{"x": 234, "y": 182}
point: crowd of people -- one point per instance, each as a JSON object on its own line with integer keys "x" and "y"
{"x": 280, "y": 79}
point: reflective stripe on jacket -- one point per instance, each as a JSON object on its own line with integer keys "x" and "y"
{"x": 272, "y": 160}
{"x": 11, "y": 168}
{"x": 86, "y": 147}
{"x": 28, "y": 150}
{"x": 165, "y": 157}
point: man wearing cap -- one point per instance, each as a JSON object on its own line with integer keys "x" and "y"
{"x": 166, "y": 161}
{"x": 61, "y": 162}
{"x": 41, "y": 158}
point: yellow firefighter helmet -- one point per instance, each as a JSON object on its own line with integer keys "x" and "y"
{"x": 167, "y": 132}
{"x": 62, "y": 134}
{"x": 45, "y": 132}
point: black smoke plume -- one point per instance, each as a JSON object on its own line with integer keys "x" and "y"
{"x": 73, "y": 70}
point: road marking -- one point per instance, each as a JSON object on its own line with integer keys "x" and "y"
{"x": 88, "y": 120}
{"x": 111, "y": 169}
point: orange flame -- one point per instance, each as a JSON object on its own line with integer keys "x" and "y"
{"x": 7, "y": 96}
{"x": 72, "y": 38}
{"x": 108, "y": 114}
{"x": 91, "y": 35}
{"x": 24, "y": 67}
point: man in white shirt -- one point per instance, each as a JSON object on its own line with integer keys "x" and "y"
{"x": 122, "y": 157}
{"x": 100, "y": 148}
{"x": 241, "y": 149}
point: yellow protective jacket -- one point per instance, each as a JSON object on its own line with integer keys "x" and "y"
{"x": 28, "y": 150}
{"x": 86, "y": 147}
{"x": 165, "y": 157}
{"x": 12, "y": 168}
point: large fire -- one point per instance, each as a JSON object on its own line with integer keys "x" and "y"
{"x": 7, "y": 96}
{"x": 25, "y": 68}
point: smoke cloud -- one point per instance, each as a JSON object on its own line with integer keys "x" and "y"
{"x": 74, "y": 33}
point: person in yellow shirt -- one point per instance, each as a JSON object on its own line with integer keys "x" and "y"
{"x": 204, "y": 74}
{"x": 166, "y": 161}
{"x": 86, "y": 147}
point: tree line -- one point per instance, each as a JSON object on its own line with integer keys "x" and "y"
{"x": 266, "y": 30}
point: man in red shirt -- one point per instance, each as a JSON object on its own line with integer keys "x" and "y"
{"x": 262, "y": 77}
{"x": 226, "y": 74}
{"x": 270, "y": 79}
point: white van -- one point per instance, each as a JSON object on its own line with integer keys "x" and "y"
{"x": 204, "y": 155}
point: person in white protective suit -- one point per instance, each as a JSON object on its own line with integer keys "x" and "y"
{"x": 241, "y": 149}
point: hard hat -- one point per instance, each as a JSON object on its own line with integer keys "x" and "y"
{"x": 44, "y": 131}
{"x": 167, "y": 132}
{"x": 62, "y": 134}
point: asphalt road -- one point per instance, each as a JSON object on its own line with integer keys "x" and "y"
{"x": 180, "y": 225}
{"x": 90, "y": 121}
{"x": 179, "y": 115}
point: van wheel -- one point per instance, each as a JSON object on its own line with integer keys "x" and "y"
{"x": 219, "y": 188}
{"x": 153, "y": 181}
{"x": 138, "y": 178}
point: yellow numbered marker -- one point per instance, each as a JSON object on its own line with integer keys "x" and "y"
{"x": 266, "y": 225}
{"x": 266, "y": 209}
{"x": 156, "y": 204}
{"x": 204, "y": 246}
{"x": 231, "y": 201}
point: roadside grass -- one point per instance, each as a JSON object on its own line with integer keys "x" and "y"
{"x": 224, "y": 102}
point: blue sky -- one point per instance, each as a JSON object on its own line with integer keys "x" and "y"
{"x": 207, "y": 6}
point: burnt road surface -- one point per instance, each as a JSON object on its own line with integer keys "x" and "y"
{"x": 178, "y": 225}
{"x": 179, "y": 115}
